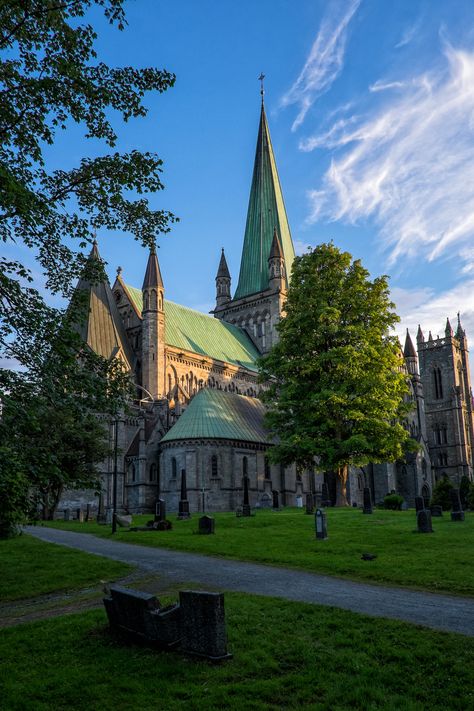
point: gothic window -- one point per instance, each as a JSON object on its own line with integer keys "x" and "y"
{"x": 169, "y": 383}
{"x": 153, "y": 472}
{"x": 174, "y": 468}
{"x": 423, "y": 468}
{"x": 161, "y": 302}
{"x": 133, "y": 472}
{"x": 438, "y": 384}
{"x": 214, "y": 467}
{"x": 244, "y": 466}
{"x": 153, "y": 299}
{"x": 268, "y": 474}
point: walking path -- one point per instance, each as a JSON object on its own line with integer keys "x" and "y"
{"x": 440, "y": 612}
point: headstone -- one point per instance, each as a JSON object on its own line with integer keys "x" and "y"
{"x": 80, "y": 515}
{"x": 320, "y": 524}
{"x": 207, "y": 525}
{"x": 246, "y": 505}
{"x": 423, "y": 519}
{"x": 275, "y": 499}
{"x": 125, "y": 521}
{"x": 67, "y": 514}
{"x": 299, "y": 502}
{"x": 160, "y": 510}
{"x": 203, "y": 631}
{"x": 404, "y": 506}
{"x": 419, "y": 503}
{"x": 325, "y": 500}
{"x": 457, "y": 514}
{"x": 367, "y": 509}
{"x": 88, "y": 512}
{"x": 101, "y": 517}
{"x": 265, "y": 500}
{"x": 309, "y": 504}
{"x": 108, "y": 516}
{"x": 436, "y": 511}
{"x": 183, "y": 505}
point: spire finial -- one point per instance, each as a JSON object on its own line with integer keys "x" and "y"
{"x": 260, "y": 79}
{"x": 119, "y": 271}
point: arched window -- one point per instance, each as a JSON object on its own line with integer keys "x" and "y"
{"x": 153, "y": 472}
{"x": 133, "y": 472}
{"x": 174, "y": 467}
{"x": 214, "y": 468}
{"x": 438, "y": 383}
{"x": 244, "y": 466}
{"x": 268, "y": 474}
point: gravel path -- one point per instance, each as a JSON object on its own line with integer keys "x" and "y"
{"x": 440, "y": 612}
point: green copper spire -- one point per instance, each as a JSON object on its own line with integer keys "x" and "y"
{"x": 265, "y": 213}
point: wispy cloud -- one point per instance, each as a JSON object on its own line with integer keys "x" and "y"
{"x": 325, "y": 60}
{"x": 423, "y": 306}
{"x": 408, "y": 34}
{"x": 409, "y": 166}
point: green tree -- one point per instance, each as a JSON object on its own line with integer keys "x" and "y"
{"x": 337, "y": 393}
{"x": 442, "y": 493}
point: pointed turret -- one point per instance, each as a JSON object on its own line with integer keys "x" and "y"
{"x": 222, "y": 282}
{"x": 266, "y": 211}
{"x": 460, "y": 333}
{"x": 276, "y": 265}
{"x": 448, "y": 330}
{"x": 153, "y": 329}
{"x": 419, "y": 336}
{"x": 410, "y": 355}
{"x": 430, "y": 338}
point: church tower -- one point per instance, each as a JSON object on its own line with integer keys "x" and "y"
{"x": 153, "y": 329}
{"x": 267, "y": 253}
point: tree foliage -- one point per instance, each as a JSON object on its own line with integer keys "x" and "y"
{"x": 337, "y": 393}
{"x": 442, "y": 493}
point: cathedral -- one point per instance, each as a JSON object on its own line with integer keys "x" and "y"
{"x": 197, "y": 410}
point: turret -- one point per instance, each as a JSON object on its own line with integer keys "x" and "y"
{"x": 419, "y": 336}
{"x": 153, "y": 329}
{"x": 222, "y": 283}
{"x": 460, "y": 332}
{"x": 449, "y": 333}
{"x": 276, "y": 265}
{"x": 409, "y": 353}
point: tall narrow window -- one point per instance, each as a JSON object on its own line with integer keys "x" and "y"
{"x": 244, "y": 466}
{"x": 268, "y": 474}
{"x": 214, "y": 469}
{"x": 174, "y": 468}
{"x": 438, "y": 384}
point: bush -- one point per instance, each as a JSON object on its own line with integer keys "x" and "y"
{"x": 441, "y": 493}
{"x": 470, "y": 497}
{"x": 393, "y": 502}
{"x": 464, "y": 489}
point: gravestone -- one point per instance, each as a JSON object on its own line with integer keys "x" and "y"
{"x": 325, "y": 500}
{"x": 266, "y": 500}
{"x": 299, "y": 502}
{"x": 67, "y": 514}
{"x": 436, "y": 511}
{"x": 423, "y": 519}
{"x": 246, "y": 505}
{"x": 207, "y": 525}
{"x": 183, "y": 505}
{"x": 101, "y": 517}
{"x": 124, "y": 521}
{"x": 80, "y": 515}
{"x": 309, "y": 504}
{"x": 88, "y": 512}
{"x": 419, "y": 503}
{"x": 457, "y": 514}
{"x": 320, "y": 524}
{"x": 367, "y": 509}
{"x": 109, "y": 516}
{"x": 160, "y": 510}
{"x": 275, "y": 499}
{"x": 203, "y": 631}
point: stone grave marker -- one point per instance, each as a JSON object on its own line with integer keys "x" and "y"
{"x": 109, "y": 516}
{"x": 246, "y": 505}
{"x": 320, "y": 524}
{"x": 160, "y": 510}
{"x": 203, "y": 631}
{"x": 67, "y": 514}
{"x": 266, "y": 500}
{"x": 419, "y": 503}
{"x": 275, "y": 499}
{"x": 457, "y": 514}
{"x": 88, "y": 512}
{"x": 207, "y": 525}
{"x": 123, "y": 520}
{"x": 367, "y": 509}
{"x": 80, "y": 515}
{"x": 299, "y": 501}
{"x": 183, "y": 505}
{"x": 436, "y": 511}
{"x": 423, "y": 519}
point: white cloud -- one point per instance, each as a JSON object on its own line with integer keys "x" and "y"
{"x": 430, "y": 310}
{"x": 409, "y": 166}
{"x": 408, "y": 34}
{"x": 325, "y": 60}
{"x": 301, "y": 247}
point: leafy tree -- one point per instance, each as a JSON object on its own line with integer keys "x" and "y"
{"x": 464, "y": 488}
{"x": 50, "y": 77}
{"x": 336, "y": 393}
{"x": 442, "y": 493}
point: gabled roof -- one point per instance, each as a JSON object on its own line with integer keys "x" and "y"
{"x": 266, "y": 212}
{"x": 214, "y": 414}
{"x": 202, "y": 334}
{"x": 102, "y": 328}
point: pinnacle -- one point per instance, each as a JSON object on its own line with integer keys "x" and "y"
{"x": 409, "y": 350}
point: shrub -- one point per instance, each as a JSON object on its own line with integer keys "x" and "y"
{"x": 441, "y": 493}
{"x": 470, "y": 497}
{"x": 393, "y": 502}
{"x": 464, "y": 489}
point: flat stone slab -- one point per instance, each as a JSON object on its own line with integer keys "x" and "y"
{"x": 440, "y": 612}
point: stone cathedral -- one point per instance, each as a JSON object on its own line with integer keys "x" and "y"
{"x": 197, "y": 387}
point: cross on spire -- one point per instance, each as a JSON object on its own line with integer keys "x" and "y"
{"x": 260, "y": 79}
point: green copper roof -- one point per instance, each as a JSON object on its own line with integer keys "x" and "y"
{"x": 214, "y": 414}
{"x": 199, "y": 333}
{"x": 266, "y": 212}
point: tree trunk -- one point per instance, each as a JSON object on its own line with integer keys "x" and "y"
{"x": 341, "y": 485}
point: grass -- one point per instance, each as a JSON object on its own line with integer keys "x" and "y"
{"x": 30, "y": 567}
{"x": 286, "y": 656}
{"x": 439, "y": 562}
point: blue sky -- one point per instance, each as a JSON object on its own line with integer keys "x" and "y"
{"x": 371, "y": 111}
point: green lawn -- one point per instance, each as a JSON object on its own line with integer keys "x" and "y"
{"x": 30, "y": 567}
{"x": 286, "y": 656}
{"x": 442, "y": 561}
